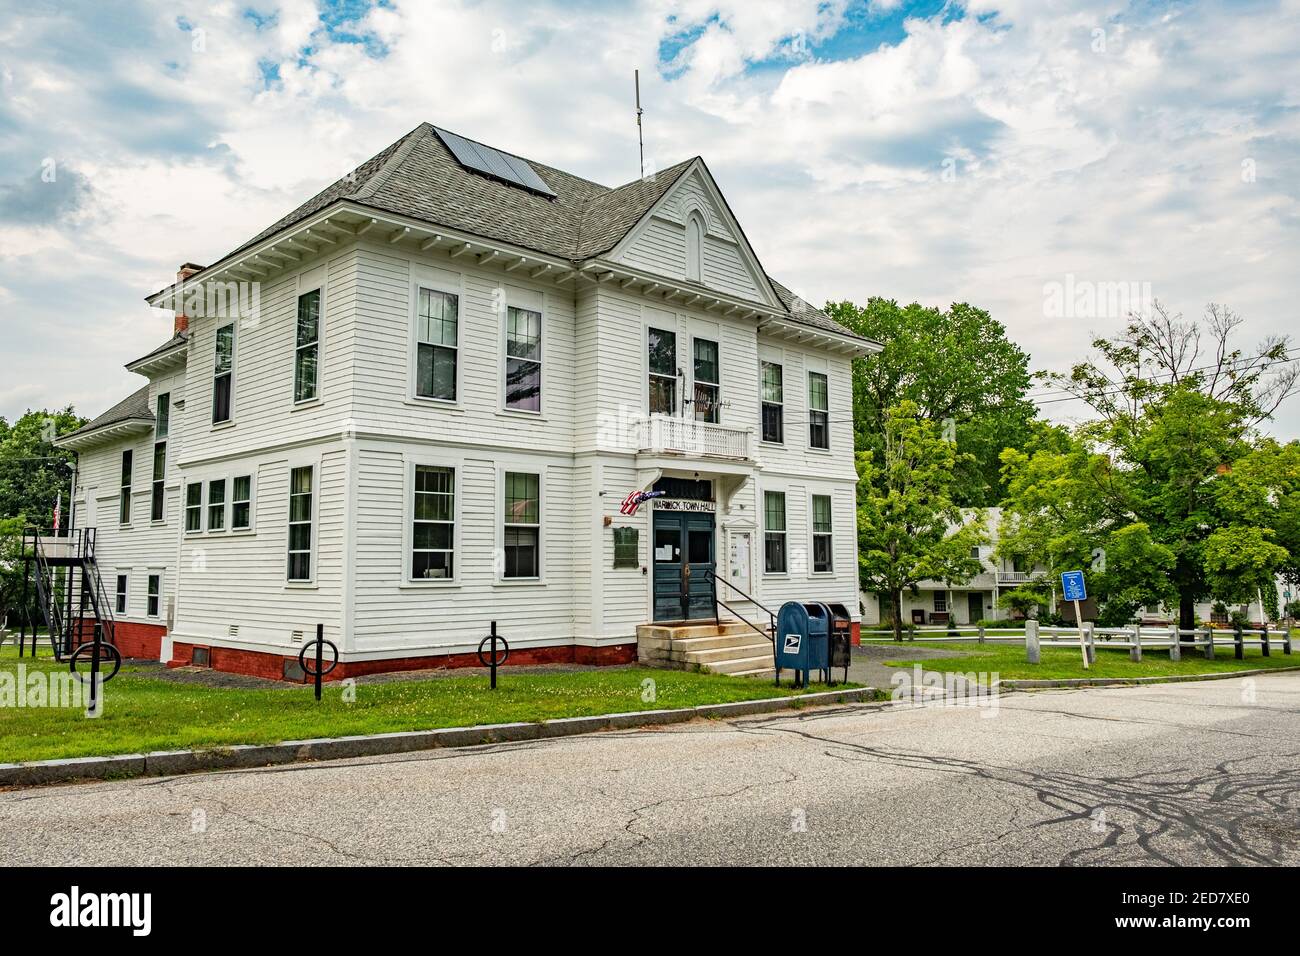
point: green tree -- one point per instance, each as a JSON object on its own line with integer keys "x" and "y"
{"x": 32, "y": 471}
{"x": 909, "y": 528}
{"x": 956, "y": 365}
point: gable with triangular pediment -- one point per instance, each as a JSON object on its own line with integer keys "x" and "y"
{"x": 692, "y": 220}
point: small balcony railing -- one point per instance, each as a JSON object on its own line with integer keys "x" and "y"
{"x": 1020, "y": 577}
{"x": 663, "y": 434}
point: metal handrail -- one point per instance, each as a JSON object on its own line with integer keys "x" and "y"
{"x": 714, "y": 580}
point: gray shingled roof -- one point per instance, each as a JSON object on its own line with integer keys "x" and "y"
{"x": 178, "y": 339}
{"x": 418, "y": 177}
{"x": 134, "y": 406}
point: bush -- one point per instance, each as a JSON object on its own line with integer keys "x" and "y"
{"x": 1001, "y": 623}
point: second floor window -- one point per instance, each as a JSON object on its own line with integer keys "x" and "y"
{"x": 773, "y": 403}
{"x": 822, "y": 539}
{"x": 194, "y": 506}
{"x": 819, "y": 429}
{"x": 306, "y": 364}
{"x": 217, "y": 505}
{"x": 774, "y": 553}
{"x": 662, "y": 362}
{"x": 707, "y": 379}
{"x": 241, "y": 503}
{"x": 223, "y": 374}
{"x": 157, "y": 503}
{"x": 436, "y": 338}
{"x": 523, "y": 525}
{"x": 124, "y": 498}
{"x": 433, "y": 531}
{"x": 523, "y": 360}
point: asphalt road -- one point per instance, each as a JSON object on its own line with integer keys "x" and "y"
{"x": 1194, "y": 773}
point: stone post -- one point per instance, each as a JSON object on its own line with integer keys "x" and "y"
{"x": 1032, "y": 653}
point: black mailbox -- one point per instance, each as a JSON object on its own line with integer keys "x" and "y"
{"x": 841, "y": 640}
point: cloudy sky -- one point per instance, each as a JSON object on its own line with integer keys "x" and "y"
{"x": 999, "y": 153}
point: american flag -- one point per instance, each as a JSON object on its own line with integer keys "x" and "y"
{"x": 633, "y": 501}
{"x": 58, "y": 512}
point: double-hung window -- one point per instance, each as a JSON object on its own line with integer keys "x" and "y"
{"x": 154, "y": 593}
{"x": 819, "y": 432}
{"x": 433, "y": 531}
{"x": 436, "y": 345}
{"x": 662, "y": 362}
{"x": 300, "y": 521}
{"x": 523, "y": 359}
{"x": 217, "y": 505}
{"x": 773, "y": 403}
{"x": 223, "y": 374}
{"x": 119, "y": 605}
{"x": 940, "y": 602}
{"x": 774, "y": 551}
{"x": 162, "y": 422}
{"x": 306, "y": 358}
{"x": 241, "y": 503}
{"x": 194, "y": 506}
{"x": 822, "y": 539}
{"x": 124, "y": 496}
{"x": 523, "y": 525}
{"x": 707, "y": 381}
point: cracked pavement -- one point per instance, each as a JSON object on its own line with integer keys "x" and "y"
{"x": 1193, "y": 774}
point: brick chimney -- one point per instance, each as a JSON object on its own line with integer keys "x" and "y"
{"x": 182, "y": 321}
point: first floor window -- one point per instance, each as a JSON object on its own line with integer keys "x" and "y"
{"x": 662, "y": 362}
{"x": 822, "y": 538}
{"x": 940, "y": 602}
{"x": 223, "y": 371}
{"x": 120, "y": 604}
{"x": 627, "y": 548}
{"x": 773, "y": 403}
{"x": 217, "y": 505}
{"x": 436, "y": 345}
{"x": 707, "y": 381}
{"x": 433, "y": 533}
{"x": 819, "y": 430}
{"x": 155, "y": 590}
{"x": 523, "y": 525}
{"x": 157, "y": 504}
{"x": 124, "y": 498}
{"x": 194, "y": 506}
{"x": 241, "y": 503}
{"x": 307, "y": 347}
{"x": 300, "y": 516}
{"x": 774, "y": 557}
{"x": 523, "y": 360}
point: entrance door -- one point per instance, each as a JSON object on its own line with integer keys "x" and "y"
{"x": 683, "y": 552}
{"x": 975, "y": 607}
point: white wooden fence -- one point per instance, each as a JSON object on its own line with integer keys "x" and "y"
{"x": 1138, "y": 638}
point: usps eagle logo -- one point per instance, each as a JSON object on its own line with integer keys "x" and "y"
{"x": 633, "y": 501}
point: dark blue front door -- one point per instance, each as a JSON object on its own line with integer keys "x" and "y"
{"x": 683, "y": 552}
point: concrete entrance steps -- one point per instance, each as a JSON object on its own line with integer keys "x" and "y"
{"x": 727, "y": 648}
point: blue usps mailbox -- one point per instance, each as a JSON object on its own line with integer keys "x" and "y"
{"x": 1072, "y": 586}
{"x": 802, "y": 639}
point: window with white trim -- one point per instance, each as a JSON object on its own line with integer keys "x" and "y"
{"x": 436, "y": 344}
{"x": 523, "y": 525}
{"x": 223, "y": 374}
{"x": 124, "y": 495}
{"x": 822, "y": 536}
{"x": 161, "y": 424}
{"x": 819, "y": 431}
{"x": 774, "y": 549}
{"x": 119, "y": 603}
{"x": 306, "y": 356}
{"x": 154, "y": 595}
{"x": 662, "y": 362}
{"x": 940, "y": 602}
{"x": 523, "y": 359}
{"x": 300, "y": 522}
{"x": 773, "y": 403}
{"x": 194, "y": 506}
{"x": 433, "y": 528}
{"x": 217, "y": 504}
{"x": 241, "y": 503}
{"x": 708, "y": 380}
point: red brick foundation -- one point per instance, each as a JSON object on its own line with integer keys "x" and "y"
{"x": 134, "y": 640}
{"x": 271, "y": 666}
{"x": 857, "y": 633}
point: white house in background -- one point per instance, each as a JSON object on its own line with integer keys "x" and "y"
{"x": 416, "y": 403}
{"x": 967, "y": 602}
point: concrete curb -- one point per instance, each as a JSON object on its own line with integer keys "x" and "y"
{"x": 171, "y": 762}
{"x": 1014, "y": 685}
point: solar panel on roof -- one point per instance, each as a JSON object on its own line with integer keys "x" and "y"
{"x": 494, "y": 163}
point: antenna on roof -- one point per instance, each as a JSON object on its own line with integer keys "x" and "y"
{"x": 640, "y": 140}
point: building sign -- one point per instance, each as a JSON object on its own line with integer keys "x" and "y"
{"x": 678, "y": 504}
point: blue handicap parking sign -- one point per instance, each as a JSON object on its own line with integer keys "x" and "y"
{"x": 1072, "y": 585}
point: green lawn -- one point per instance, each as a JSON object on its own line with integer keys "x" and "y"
{"x": 1008, "y": 661}
{"x": 143, "y": 713}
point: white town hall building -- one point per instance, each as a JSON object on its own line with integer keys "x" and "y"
{"x": 418, "y": 403}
